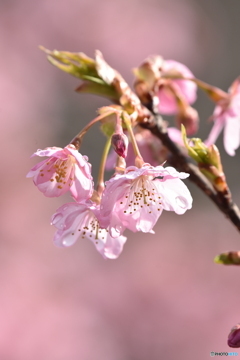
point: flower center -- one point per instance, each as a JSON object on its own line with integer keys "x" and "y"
{"x": 142, "y": 194}
{"x": 92, "y": 230}
{"x": 60, "y": 170}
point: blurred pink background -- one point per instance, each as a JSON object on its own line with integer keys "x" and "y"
{"x": 164, "y": 298}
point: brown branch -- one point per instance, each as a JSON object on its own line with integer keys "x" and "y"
{"x": 182, "y": 163}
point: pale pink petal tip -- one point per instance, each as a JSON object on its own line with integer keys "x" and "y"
{"x": 226, "y": 116}
{"x": 187, "y": 88}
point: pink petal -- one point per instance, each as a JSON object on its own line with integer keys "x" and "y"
{"x": 214, "y": 133}
{"x": 68, "y": 219}
{"x": 66, "y": 238}
{"x": 52, "y": 189}
{"x": 36, "y": 168}
{"x": 187, "y": 88}
{"x": 46, "y": 172}
{"x": 175, "y": 195}
{"x": 113, "y": 247}
{"x": 235, "y": 104}
{"x": 231, "y": 137}
{"x": 82, "y": 187}
{"x": 175, "y": 135}
{"x": 116, "y": 227}
{"x": 111, "y": 160}
{"x": 61, "y": 219}
{"x": 114, "y": 191}
{"x": 143, "y": 220}
{"x": 50, "y": 151}
{"x": 82, "y": 162}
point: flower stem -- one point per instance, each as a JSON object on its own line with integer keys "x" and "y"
{"x": 100, "y": 181}
{"x": 76, "y": 141}
{"x": 118, "y": 127}
{"x": 213, "y": 92}
{"x": 139, "y": 160}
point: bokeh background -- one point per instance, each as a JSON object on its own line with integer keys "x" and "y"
{"x": 164, "y": 298}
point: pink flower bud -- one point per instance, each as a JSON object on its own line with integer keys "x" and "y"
{"x": 120, "y": 144}
{"x": 234, "y": 337}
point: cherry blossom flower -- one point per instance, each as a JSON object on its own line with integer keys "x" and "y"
{"x": 150, "y": 147}
{"x": 138, "y": 197}
{"x": 66, "y": 169}
{"x": 227, "y": 115}
{"x": 78, "y": 220}
{"x": 186, "y": 88}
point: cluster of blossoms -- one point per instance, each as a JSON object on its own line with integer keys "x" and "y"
{"x": 166, "y": 80}
{"x": 141, "y": 187}
{"x": 133, "y": 199}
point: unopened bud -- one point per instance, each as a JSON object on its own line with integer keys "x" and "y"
{"x": 97, "y": 75}
{"x": 189, "y": 118}
{"x": 120, "y": 144}
{"x": 228, "y": 258}
{"x": 150, "y": 71}
{"x": 147, "y": 76}
{"x": 208, "y": 159}
{"x": 234, "y": 337}
{"x": 76, "y": 64}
